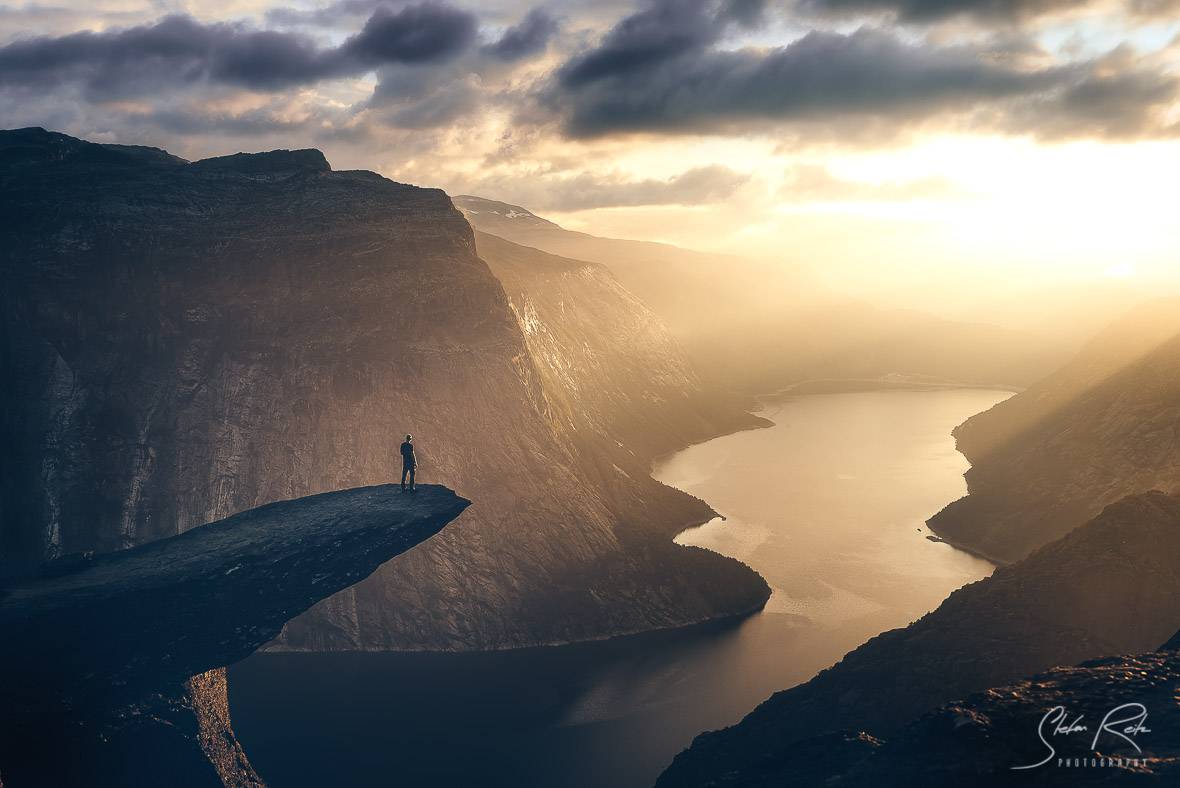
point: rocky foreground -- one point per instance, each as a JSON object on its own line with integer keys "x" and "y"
{"x": 1069, "y": 726}
{"x": 980, "y": 741}
{"x": 1109, "y": 587}
{"x": 110, "y": 667}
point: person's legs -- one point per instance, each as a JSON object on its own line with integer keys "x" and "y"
{"x": 412, "y": 473}
{"x": 406, "y": 470}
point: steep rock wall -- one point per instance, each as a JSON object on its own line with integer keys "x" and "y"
{"x": 180, "y": 341}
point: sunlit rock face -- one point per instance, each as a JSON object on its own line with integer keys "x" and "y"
{"x": 612, "y": 372}
{"x": 1100, "y": 428}
{"x": 111, "y": 672}
{"x": 1110, "y": 587}
{"x": 763, "y": 325}
{"x": 181, "y": 341}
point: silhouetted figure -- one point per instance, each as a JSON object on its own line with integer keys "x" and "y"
{"x": 409, "y": 462}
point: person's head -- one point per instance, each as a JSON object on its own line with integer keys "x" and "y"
{"x": 409, "y": 438}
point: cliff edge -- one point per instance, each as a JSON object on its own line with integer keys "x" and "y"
{"x": 109, "y": 664}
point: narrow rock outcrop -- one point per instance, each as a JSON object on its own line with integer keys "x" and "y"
{"x": 110, "y": 664}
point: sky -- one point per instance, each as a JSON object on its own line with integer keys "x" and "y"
{"x": 895, "y": 146}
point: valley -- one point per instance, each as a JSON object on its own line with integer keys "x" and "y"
{"x": 826, "y": 504}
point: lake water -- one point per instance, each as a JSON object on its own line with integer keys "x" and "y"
{"x": 829, "y": 505}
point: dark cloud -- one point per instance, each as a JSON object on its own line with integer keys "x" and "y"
{"x": 931, "y": 10}
{"x": 422, "y": 97}
{"x": 446, "y": 105}
{"x": 747, "y": 13}
{"x": 1115, "y": 97}
{"x": 819, "y": 75}
{"x": 664, "y": 31}
{"x": 181, "y": 50}
{"x": 924, "y": 11}
{"x": 414, "y": 34}
{"x": 832, "y": 81}
{"x": 529, "y": 37}
{"x": 668, "y": 67}
{"x": 263, "y": 60}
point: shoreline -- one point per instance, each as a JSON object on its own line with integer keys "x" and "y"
{"x": 720, "y": 621}
{"x": 968, "y": 549}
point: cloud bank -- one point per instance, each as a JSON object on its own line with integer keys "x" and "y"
{"x": 545, "y": 104}
{"x": 180, "y": 51}
{"x": 662, "y": 71}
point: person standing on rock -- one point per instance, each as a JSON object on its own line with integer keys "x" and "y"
{"x": 409, "y": 462}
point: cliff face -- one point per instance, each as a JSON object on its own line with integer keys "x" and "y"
{"x": 1051, "y": 457}
{"x": 758, "y": 326}
{"x": 181, "y": 341}
{"x": 612, "y": 371}
{"x": 1109, "y": 587}
{"x": 111, "y": 674}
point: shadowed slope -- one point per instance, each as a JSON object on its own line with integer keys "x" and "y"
{"x": 975, "y": 743}
{"x": 979, "y": 741}
{"x": 1051, "y": 457}
{"x": 1109, "y": 587}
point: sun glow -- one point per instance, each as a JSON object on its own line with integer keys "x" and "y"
{"x": 999, "y": 213}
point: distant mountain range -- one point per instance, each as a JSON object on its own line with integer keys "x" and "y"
{"x": 756, "y": 327}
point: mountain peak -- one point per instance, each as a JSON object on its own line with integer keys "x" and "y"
{"x": 492, "y": 212}
{"x": 33, "y": 145}
{"x": 270, "y": 164}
